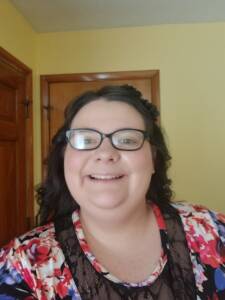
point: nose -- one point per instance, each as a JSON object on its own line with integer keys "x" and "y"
{"x": 106, "y": 152}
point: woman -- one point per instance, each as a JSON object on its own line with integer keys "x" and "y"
{"x": 109, "y": 230}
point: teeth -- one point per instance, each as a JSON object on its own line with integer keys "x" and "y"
{"x": 105, "y": 177}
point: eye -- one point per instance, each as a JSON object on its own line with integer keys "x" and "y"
{"x": 88, "y": 140}
{"x": 128, "y": 141}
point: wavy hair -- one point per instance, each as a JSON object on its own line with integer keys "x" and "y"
{"x": 53, "y": 195}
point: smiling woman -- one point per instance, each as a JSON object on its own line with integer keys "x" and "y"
{"x": 109, "y": 229}
{"x": 121, "y": 177}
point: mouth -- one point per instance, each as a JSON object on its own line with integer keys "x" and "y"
{"x": 105, "y": 177}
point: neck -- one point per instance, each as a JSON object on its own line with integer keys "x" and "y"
{"x": 116, "y": 225}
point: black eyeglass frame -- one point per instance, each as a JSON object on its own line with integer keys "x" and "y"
{"x": 109, "y": 136}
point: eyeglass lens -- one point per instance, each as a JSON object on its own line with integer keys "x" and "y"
{"x": 87, "y": 139}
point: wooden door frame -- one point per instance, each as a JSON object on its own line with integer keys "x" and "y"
{"x": 22, "y": 70}
{"x": 46, "y": 80}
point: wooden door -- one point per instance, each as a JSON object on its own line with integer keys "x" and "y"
{"x": 59, "y": 90}
{"x": 15, "y": 208}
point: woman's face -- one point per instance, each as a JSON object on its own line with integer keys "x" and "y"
{"x": 107, "y": 178}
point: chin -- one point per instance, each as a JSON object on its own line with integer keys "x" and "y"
{"x": 107, "y": 202}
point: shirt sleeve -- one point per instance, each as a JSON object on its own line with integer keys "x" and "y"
{"x": 15, "y": 279}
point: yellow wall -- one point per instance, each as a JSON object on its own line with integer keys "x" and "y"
{"x": 191, "y": 60}
{"x": 16, "y": 35}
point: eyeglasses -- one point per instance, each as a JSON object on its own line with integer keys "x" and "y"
{"x": 127, "y": 139}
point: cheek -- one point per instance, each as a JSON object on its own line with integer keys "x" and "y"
{"x": 141, "y": 162}
{"x": 73, "y": 165}
{"x": 141, "y": 170}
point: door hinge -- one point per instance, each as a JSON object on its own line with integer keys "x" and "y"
{"x": 48, "y": 109}
{"x": 27, "y": 104}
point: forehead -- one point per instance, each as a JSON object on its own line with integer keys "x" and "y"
{"x": 109, "y": 115}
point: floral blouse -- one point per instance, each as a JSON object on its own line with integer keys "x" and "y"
{"x": 35, "y": 265}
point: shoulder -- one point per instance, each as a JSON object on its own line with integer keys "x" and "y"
{"x": 31, "y": 244}
{"x": 43, "y": 235}
{"x": 205, "y": 232}
{"x": 34, "y": 264}
{"x": 199, "y": 213}
{"x": 201, "y": 218}
{"x": 24, "y": 256}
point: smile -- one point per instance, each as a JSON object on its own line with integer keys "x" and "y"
{"x": 105, "y": 177}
